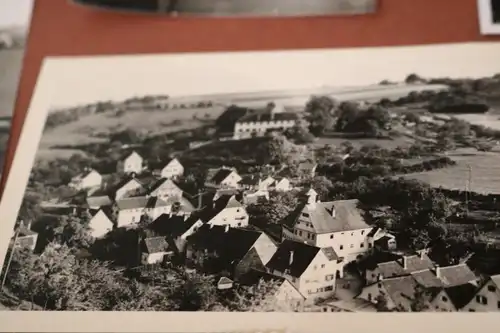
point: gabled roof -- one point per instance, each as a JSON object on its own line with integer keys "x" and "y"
{"x": 218, "y": 175}
{"x": 456, "y": 275}
{"x": 347, "y": 216}
{"x": 400, "y": 289}
{"x": 250, "y": 180}
{"x": 231, "y": 244}
{"x": 155, "y": 244}
{"x": 161, "y": 182}
{"x": 303, "y": 256}
{"x": 461, "y": 295}
{"x": 124, "y": 181}
{"x": 174, "y": 160}
{"x": 155, "y": 202}
{"x": 225, "y": 201}
{"x": 132, "y": 203}
{"x": 106, "y": 210}
{"x": 84, "y": 174}
{"x": 427, "y": 279}
{"x": 414, "y": 263}
{"x": 99, "y": 201}
{"x": 173, "y": 226}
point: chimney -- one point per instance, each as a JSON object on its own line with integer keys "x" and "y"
{"x": 333, "y": 212}
{"x": 422, "y": 254}
{"x": 380, "y": 277}
{"x": 438, "y": 271}
{"x": 291, "y": 258}
{"x": 226, "y": 228}
{"x": 405, "y": 262}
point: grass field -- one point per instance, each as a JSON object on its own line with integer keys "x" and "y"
{"x": 148, "y": 122}
{"x": 384, "y": 143}
{"x": 10, "y": 70}
{"x": 485, "y": 175}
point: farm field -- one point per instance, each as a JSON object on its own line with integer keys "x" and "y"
{"x": 384, "y": 143}
{"x": 485, "y": 175}
{"x": 490, "y": 119}
{"x": 87, "y": 129}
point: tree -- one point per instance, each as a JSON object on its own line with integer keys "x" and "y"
{"x": 74, "y": 231}
{"x": 274, "y": 210}
{"x": 413, "y": 78}
{"x": 299, "y": 135}
{"x": 319, "y": 110}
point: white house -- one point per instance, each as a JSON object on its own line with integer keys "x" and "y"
{"x": 154, "y": 250}
{"x": 453, "y": 299}
{"x": 222, "y": 178}
{"x": 130, "y": 210}
{"x": 281, "y": 184}
{"x": 132, "y": 163}
{"x": 165, "y": 188}
{"x": 86, "y": 180}
{"x": 310, "y": 269}
{"x": 338, "y": 224}
{"x": 487, "y": 297}
{"x": 101, "y": 223}
{"x": 259, "y": 122}
{"x": 226, "y": 210}
{"x": 127, "y": 187}
{"x": 173, "y": 169}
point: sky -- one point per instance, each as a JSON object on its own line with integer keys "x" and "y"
{"x": 82, "y": 80}
{"x": 15, "y": 12}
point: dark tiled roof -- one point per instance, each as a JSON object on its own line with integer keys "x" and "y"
{"x": 371, "y": 262}
{"x": 225, "y": 201}
{"x": 220, "y": 175}
{"x": 99, "y": 201}
{"x": 268, "y": 115}
{"x": 414, "y": 263}
{"x": 173, "y": 226}
{"x": 303, "y": 255}
{"x": 427, "y": 279}
{"x": 401, "y": 290}
{"x": 132, "y": 203}
{"x": 456, "y": 275}
{"x": 231, "y": 244}
{"x": 461, "y": 295}
{"x": 155, "y": 244}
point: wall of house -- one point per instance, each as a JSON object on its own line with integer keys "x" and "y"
{"x": 318, "y": 281}
{"x": 264, "y": 184}
{"x": 442, "y": 303}
{"x": 487, "y": 299}
{"x": 154, "y": 213}
{"x": 287, "y": 296}
{"x": 250, "y": 261}
{"x": 234, "y": 217}
{"x": 153, "y": 258}
{"x": 172, "y": 170}
{"x": 131, "y": 186}
{"x": 245, "y": 130}
{"x": 371, "y": 292}
{"x": 283, "y": 185}
{"x": 265, "y": 247}
{"x": 347, "y": 244}
{"x": 129, "y": 216}
{"x": 100, "y": 225}
{"x": 132, "y": 164}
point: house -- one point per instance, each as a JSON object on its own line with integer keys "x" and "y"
{"x": 154, "y": 250}
{"x": 404, "y": 265}
{"x": 130, "y": 210}
{"x": 222, "y": 178}
{"x": 310, "y": 269}
{"x": 280, "y": 184}
{"x": 259, "y": 122}
{"x": 86, "y": 180}
{"x": 452, "y": 299}
{"x": 228, "y": 249}
{"x": 173, "y": 169}
{"x": 176, "y": 229}
{"x": 283, "y": 295}
{"x": 131, "y": 163}
{"x": 127, "y": 187}
{"x": 338, "y": 224}
{"x": 101, "y": 222}
{"x": 397, "y": 292}
{"x": 165, "y": 188}
{"x": 225, "y": 283}
{"x": 487, "y": 297}
{"x": 26, "y": 238}
{"x": 253, "y": 196}
{"x": 226, "y": 210}
{"x": 155, "y": 207}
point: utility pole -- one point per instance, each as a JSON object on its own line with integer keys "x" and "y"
{"x": 4, "y": 279}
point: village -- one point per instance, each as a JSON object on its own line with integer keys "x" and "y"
{"x": 323, "y": 254}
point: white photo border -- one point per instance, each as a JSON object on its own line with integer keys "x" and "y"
{"x": 486, "y": 24}
{"x": 54, "y": 321}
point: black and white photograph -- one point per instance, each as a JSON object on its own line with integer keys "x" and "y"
{"x": 317, "y": 181}
{"x": 223, "y": 8}
{"x": 489, "y": 16}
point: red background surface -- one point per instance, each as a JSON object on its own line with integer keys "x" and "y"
{"x": 61, "y": 28}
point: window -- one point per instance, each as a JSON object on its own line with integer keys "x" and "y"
{"x": 331, "y": 236}
{"x": 362, "y": 245}
{"x": 481, "y": 300}
{"x": 306, "y": 281}
{"x": 300, "y": 233}
{"x": 315, "y": 267}
{"x": 498, "y": 304}
{"x": 237, "y": 210}
{"x": 320, "y": 290}
{"x": 323, "y": 266}
{"x": 369, "y": 297}
{"x": 341, "y": 247}
{"x": 352, "y": 233}
{"x": 239, "y": 224}
{"x": 305, "y": 215}
{"x": 329, "y": 288}
{"x": 491, "y": 288}
{"x": 362, "y": 232}
{"x": 329, "y": 277}
{"x": 472, "y": 310}
{"x": 352, "y": 245}
{"x": 444, "y": 299}
{"x": 370, "y": 245}
{"x": 309, "y": 291}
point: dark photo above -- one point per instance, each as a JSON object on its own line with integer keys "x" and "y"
{"x": 239, "y": 7}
